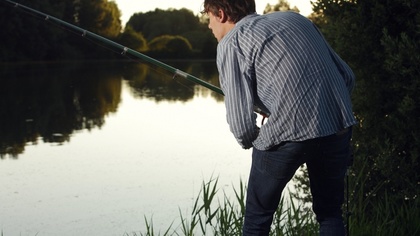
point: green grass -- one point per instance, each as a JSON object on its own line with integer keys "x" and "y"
{"x": 213, "y": 216}
{"x": 379, "y": 211}
{"x": 371, "y": 214}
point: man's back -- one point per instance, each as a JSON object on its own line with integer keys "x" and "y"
{"x": 296, "y": 76}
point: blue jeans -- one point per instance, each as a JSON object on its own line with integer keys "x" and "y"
{"x": 326, "y": 159}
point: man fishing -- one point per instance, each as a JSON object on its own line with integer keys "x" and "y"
{"x": 281, "y": 63}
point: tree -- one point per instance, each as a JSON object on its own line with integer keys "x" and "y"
{"x": 133, "y": 39}
{"x": 21, "y": 32}
{"x": 170, "y": 47}
{"x": 282, "y": 5}
{"x": 99, "y": 16}
{"x": 164, "y": 22}
{"x": 32, "y": 38}
{"x": 380, "y": 41}
{"x": 173, "y": 22}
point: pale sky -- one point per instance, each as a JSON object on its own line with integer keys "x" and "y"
{"x": 129, "y": 7}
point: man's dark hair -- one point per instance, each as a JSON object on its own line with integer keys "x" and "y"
{"x": 235, "y": 10}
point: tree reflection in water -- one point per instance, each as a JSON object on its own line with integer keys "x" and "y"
{"x": 50, "y": 101}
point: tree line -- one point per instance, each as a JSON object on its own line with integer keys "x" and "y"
{"x": 161, "y": 33}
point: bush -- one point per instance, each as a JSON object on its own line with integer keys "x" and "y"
{"x": 168, "y": 46}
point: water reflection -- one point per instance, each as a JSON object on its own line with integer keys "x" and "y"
{"x": 157, "y": 84}
{"x": 49, "y": 102}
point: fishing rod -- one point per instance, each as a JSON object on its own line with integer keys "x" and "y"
{"x": 124, "y": 50}
{"x": 128, "y": 51}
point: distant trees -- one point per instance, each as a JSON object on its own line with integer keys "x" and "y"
{"x": 282, "y": 5}
{"x": 179, "y": 32}
{"x": 98, "y": 16}
{"x": 179, "y": 25}
{"x": 164, "y": 22}
{"x": 168, "y": 46}
{"x": 133, "y": 39}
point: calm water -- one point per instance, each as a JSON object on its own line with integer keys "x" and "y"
{"x": 92, "y": 149}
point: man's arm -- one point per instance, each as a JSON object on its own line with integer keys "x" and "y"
{"x": 236, "y": 85}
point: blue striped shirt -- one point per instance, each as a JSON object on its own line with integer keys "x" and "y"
{"x": 282, "y": 63}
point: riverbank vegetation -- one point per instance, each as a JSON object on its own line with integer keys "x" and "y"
{"x": 215, "y": 213}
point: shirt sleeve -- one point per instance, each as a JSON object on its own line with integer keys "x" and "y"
{"x": 236, "y": 83}
{"x": 345, "y": 71}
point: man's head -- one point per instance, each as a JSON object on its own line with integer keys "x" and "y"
{"x": 234, "y": 10}
{"x": 224, "y": 14}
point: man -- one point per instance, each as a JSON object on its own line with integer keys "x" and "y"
{"x": 281, "y": 63}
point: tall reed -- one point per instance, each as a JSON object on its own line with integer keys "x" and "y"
{"x": 214, "y": 216}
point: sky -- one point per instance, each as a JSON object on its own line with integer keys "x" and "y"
{"x": 129, "y": 7}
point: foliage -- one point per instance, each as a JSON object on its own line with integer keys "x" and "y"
{"x": 133, "y": 39}
{"x": 31, "y": 38}
{"x": 168, "y": 46}
{"x": 99, "y": 16}
{"x": 211, "y": 216}
{"x": 21, "y": 33}
{"x": 384, "y": 50}
{"x": 282, "y": 5}
{"x": 159, "y": 23}
{"x": 377, "y": 212}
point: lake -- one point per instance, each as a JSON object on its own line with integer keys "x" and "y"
{"x": 95, "y": 148}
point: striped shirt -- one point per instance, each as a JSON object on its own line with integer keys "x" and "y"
{"x": 282, "y": 63}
